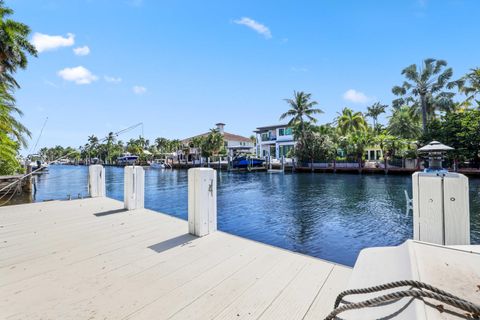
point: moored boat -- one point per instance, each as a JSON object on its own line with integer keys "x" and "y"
{"x": 127, "y": 159}
{"x": 158, "y": 164}
{"x": 246, "y": 162}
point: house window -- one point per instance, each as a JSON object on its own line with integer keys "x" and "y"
{"x": 265, "y": 136}
{"x": 284, "y": 150}
{"x": 284, "y": 131}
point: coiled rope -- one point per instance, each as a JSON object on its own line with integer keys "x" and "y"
{"x": 417, "y": 293}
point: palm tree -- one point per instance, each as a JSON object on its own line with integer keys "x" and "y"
{"x": 349, "y": 121}
{"x": 161, "y": 144}
{"x": 212, "y": 143}
{"x": 404, "y": 123}
{"x": 469, "y": 85}
{"x": 110, "y": 141}
{"x": 301, "y": 107}
{"x": 14, "y": 46}
{"x": 253, "y": 140}
{"x": 9, "y": 125}
{"x": 424, "y": 88}
{"x": 374, "y": 111}
{"x": 358, "y": 141}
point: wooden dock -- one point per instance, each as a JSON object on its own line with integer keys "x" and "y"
{"x": 90, "y": 259}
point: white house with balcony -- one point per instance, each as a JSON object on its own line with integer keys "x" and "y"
{"x": 274, "y": 141}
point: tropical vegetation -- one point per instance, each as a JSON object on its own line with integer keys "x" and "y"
{"x": 429, "y": 106}
{"x": 426, "y": 109}
{"x": 14, "y": 49}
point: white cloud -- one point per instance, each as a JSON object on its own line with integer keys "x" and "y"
{"x": 256, "y": 26}
{"x": 139, "y": 90}
{"x": 112, "y": 79}
{"x": 79, "y": 75}
{"x": 81, "y": 51}
{"x": 355, "y": 96}
{"x": 45, "y": 42}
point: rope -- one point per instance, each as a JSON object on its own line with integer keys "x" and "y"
{"x": 433, "y": 293}
{"x": 8, "y": 191}
{"x": 10, "y": 198}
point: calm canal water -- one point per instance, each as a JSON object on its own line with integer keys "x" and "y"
{"x": 330, "y": 216}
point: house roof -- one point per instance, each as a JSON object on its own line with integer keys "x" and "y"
{"x": 275, "y": 126}
{"x": 227, "y": 136}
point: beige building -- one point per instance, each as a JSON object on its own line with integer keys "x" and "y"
{"x": 232, "y": 142}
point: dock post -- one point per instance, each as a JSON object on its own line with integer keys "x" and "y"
{"x": 283, "y": 163}
{"x": 202, "y": 201}
{"x": 441, "y": 212}
{"x": 27, "y": 187}
{"x": 134, "y": 188}
{"x": 96, "y": 180}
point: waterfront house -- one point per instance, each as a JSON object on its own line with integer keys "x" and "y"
{"x": 233, "y": 143}
{"x": 274, "y": 141}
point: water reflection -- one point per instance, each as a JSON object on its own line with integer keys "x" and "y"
{"x": 330, "y": 216}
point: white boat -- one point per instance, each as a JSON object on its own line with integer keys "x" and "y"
{"x": 158, "y": 164}
{"x": 127, "y": 159}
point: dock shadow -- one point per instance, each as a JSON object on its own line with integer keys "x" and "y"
{"x": 182, "y": 240}
{"x": 109, "y": 212}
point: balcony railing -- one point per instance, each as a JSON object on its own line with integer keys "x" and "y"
{"x": 269, "y": 138}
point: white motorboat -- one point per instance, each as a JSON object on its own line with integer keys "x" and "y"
{"x": 158, "y": 164}
{"x": 127, "y": 159}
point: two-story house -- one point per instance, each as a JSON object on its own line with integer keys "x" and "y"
{"x": 233, "y": 143}
{"x": 274, "y": 141}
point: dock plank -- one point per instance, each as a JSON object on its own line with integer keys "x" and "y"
{"x": 62, "y": 261}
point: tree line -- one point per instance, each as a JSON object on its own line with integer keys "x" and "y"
{"x": 429, "y": 105}
{"x": 110, "y": 148}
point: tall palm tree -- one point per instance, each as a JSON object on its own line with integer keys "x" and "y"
{"x": 14, "y": 46}
{"x": 374, "y": 111}
{"x": 424, "y": 88}
{"x": 301, "y": 108}
{"x": 404, "y": 123}
{"x": 9, "y": 125}
{"x": 349, "y": 121}
{"x": 110, "y": 141}
{"x": 358, "y": 142}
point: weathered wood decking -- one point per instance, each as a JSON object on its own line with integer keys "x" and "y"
{"x": 89, "y": 259}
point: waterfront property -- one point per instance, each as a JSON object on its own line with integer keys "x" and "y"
{"x": 233, "y": 143}
{"x": 275, "y": 141}
{"x": 92, "y": 258}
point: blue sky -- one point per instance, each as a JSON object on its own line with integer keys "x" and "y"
{"x": 181, "y": 66}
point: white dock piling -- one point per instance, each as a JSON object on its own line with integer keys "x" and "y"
{"x": 441, "y": 212}
{"x": 96, "y": 181}
{"x": 202, "y": 201}
{"x": 134, "y": 188}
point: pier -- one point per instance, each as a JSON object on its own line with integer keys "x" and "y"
{"x": 92, "y": 259}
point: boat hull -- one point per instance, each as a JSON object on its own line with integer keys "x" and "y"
{"x": 245, "y": 163}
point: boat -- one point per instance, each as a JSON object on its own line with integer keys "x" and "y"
{"x": 37, "y": 162}
{"x": 243, "y": 162}
{"x": 127, "y": 159}
{"x": 158, "y": 164}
